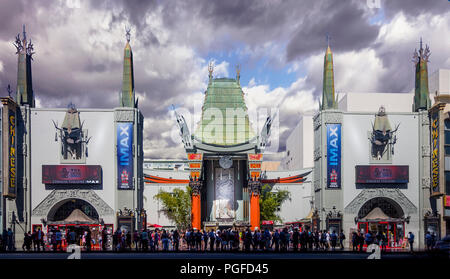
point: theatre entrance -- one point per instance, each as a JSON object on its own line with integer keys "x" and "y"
{"x": 383, "y": 216}
{"x": 79, "y": 216}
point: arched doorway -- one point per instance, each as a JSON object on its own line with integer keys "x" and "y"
{"x": 388, "y": 206}
{"x": 63, "y": 209}
{"x": 74, "y": 215}
{"x": 383, "y": 216}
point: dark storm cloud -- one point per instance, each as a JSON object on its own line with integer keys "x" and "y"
{"x": 72, "y": 68}
{"x": 347, "y": 24}
{"x": 414, "y": 8}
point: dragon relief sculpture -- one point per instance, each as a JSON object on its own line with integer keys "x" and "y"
{"x": 73, "y": 139}
{"x": 382, "y": 135}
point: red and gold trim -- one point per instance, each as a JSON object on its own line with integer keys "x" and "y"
{"x": 163, "y": 180}
{"x": 286, "y": 180}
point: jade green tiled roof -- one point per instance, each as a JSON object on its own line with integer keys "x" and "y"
{"x": 224, "y": 114}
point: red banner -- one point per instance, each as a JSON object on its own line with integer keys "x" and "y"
{"x": 195, "y": 156}
{"x": 195, "y": 165}
{"x": 447, "y": 201}
{"x": 71, "y": 174}
{"x": 255, "y": 165}
{"x": 255, "y": 157}
{"x": 382, "y": 174}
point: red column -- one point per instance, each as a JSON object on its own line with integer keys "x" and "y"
{"x": 254, "y": 211}
{"x": 196, "y": 211}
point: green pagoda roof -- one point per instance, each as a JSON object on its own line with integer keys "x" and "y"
{"x": 224, "y": 120}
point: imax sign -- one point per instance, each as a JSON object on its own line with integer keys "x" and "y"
{"x": 334, "y": 155}
{"x": 125, "y": 155}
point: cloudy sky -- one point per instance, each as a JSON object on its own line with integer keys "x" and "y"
{"x": 278, "y": 44}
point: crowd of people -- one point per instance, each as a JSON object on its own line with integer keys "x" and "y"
{"x": 293, "y": 239}
{"x": 283, "y": 240}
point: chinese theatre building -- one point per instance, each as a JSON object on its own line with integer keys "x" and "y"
{"x": 372, "y": 167}
{"x": 76, "y": 168}
{"x": 225, "y": 157}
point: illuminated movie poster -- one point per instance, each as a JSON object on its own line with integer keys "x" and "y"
{"x": 125, "y": 156}
{"x": 224, "y": 193}
{"x": 71, "y": 174}
{"x": 334, "y": 155}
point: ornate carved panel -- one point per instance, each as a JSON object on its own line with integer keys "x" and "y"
{"x": 332, "y": 117}
{"x": 255, "y": 187}
{"x": 57, "y": 196}
{"x": 317, "y": 154}
{"x": 317, "y": 122}
{"x": 393, "y": 194}
{"x": 425, "y": 151}
{"x": 124, "y": 116}
{"x": 425, "y": 120}
{"x": 196, "y": 186}
{"x": 426, "y": 181}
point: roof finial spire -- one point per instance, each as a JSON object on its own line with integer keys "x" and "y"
{"x": 210, "y": 69}
{"x": 9, "y": 90}
{"x": 127, "y": 33}
{"x": 24, "y": 33}
{"x": 328, "y": 39}
{"x": 238, "y": 73}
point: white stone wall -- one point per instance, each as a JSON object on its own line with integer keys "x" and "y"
{"x": 46, "y": 151}
{"x": 356, "y": 151}
{"x": 299, "y": 144}
{"x": 153, "y": 207}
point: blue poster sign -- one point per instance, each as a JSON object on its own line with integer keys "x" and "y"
{"x": 125, "y": 156}
{"x": 333, "y": 155}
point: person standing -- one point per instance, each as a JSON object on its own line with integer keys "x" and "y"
{"x": 88, "y": 240}
{"x": 354, "y": 241}
{"x": 72, "y": 237}
{"x": 205, "y": 240}
{"x": 128, "y": 239}
{"x": 368, "y": 238}
{"x": 104, "y": 238}
{"x": 333, "y": 238}
{"x": 341, "y": 239}
{"x": 361, "y": 241}
{"x": 428, "y": 240}
{"x": 433, "y": 240}
{"x": 411, "y": 241}
{"x": 40, "y": 239}
{"x": 247, "y": 240}
{"x": 276, "y": 240}
{"x": 151, "y": 241}
{"x": 212, "y": 239}
{"x": 10, "y": 240}
{"x": 26, "y": 246}
{"x": 136, "y": 240}
{"x": 218, "y": 241}
{"x": 156, "y": 239}
{"x": 176, "y": 240}
{"x": 295, "y": 239}
{"x": 267, "y": 238}
{"x": 165, "y": 240}
{"x": 144, "y": 240}
{"x": 58, "y": 235}
{"x": 384, "y": 241}
{"x": 116, "y": 239}
{"x": 53, "y": 240}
